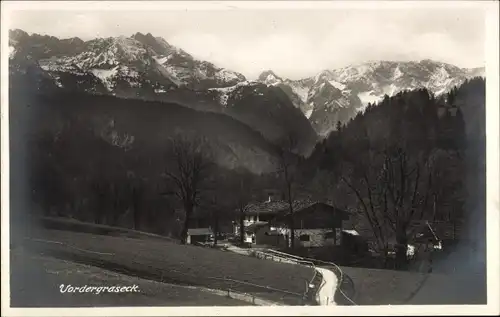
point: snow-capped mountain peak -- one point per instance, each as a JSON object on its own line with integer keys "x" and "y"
{"x": 109, "y": 52}
{"x": 353, "y": 87}
{"x": 268, "y": 77}
{"x": 147, "y": 66}
{"x": 127, "y": 66}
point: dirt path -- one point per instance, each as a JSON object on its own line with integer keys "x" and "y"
{"x": 326, "y": 294}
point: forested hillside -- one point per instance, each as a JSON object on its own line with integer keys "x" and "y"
{"x": 411, "y": 157}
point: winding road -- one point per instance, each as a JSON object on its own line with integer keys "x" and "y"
{"x": 326, "y": 294}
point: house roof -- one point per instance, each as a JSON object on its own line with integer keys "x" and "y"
{"x": 269, "y": 207}
{"x": 303, "y": 207}
{"x": 256, "y": 226}
{"x": 199, "y": 231}
{"x": 279, "y": 207}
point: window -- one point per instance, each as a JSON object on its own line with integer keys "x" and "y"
{"x": 304, "y": 237}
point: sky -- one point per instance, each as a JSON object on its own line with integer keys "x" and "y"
{"x": 293, "y": 43}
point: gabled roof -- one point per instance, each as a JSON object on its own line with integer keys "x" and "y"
{"x": 303, "y": 207}
{"x": 199, "y": 231}
{"x": 269, "y": 207}
{"x": 313, "y": 215}
{"x": 282, "y": 207}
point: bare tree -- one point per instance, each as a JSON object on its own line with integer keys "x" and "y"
{"x": 243, "y": 198}
{"x": 191, "y": 161}
{"x": 288, "y": 167}
{"x": 213, "y": 202}
{"x": 394, "y": 189}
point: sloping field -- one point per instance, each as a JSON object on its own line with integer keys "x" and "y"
{"x": 36, "y": 280}
{"x": 84, "y": 227}
{"x": 177, "y": 264}
{"x": 452, "y": 289}
{"x": 383, "y": 287}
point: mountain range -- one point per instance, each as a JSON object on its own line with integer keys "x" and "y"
{"x": 146, "y": 67}
{"x": 337, "y": 95}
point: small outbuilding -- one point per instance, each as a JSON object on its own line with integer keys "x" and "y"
{"x": 199, "y": 235}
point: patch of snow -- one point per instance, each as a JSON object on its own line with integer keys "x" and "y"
{"x": 270, "y": 77}
{"x": 131, "y": 47}
{"x": 440, "y": 75}
{"x": 390, "y": 90}
{"x": 12, "y": 52}
{"x": 108, "y": 52}
{"x": 179, "y": 74}
{"x": 442, "y": 86}
{"x": 226, "y": 75}
{"x": 323, "y": 75}
{"x": 301, "y": 91}
{"x": 272, "y": 80}
{"x": 232, "y": 88}
{"x": 362, "y": 69}
{"x": 169, "y": 72}
{"x": 308, "y": 113}
{"x": 337, "y": 85}
{"x": 397, "y": 73}
{"x": 223, "y": 93}
{"x": 368, "y": 97}
{"x": 105, "y": 75}
{"x": 161, "y": 60}
{"x": 58, "y": 66}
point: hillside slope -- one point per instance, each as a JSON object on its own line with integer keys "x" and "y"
{"x": 143, "y": 126}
